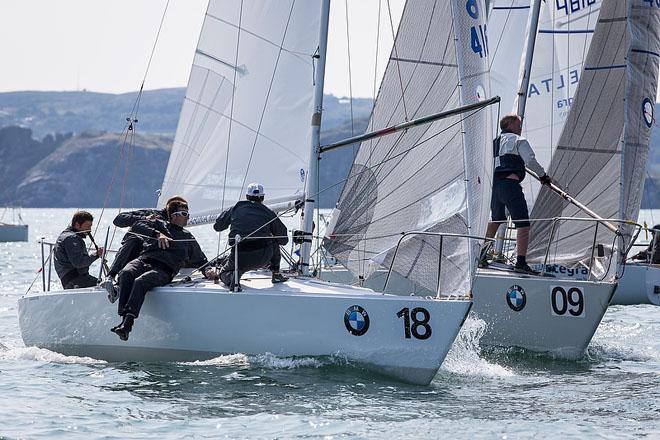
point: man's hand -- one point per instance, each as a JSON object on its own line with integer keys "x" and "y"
{"x": 163, "y": 241}
{"x": 100, "y": 252}
{"x": 210, "y": 273}
{"x": 152, "y": 217}
{"x": 545, "y": 180}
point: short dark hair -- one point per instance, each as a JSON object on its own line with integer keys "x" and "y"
{"x": 507, "y": 120}
{"x": 81, "y": 217}
{"x": 175, "y": 199}
{"x": 176, "y": 206}
{"x": 259, "y": 199}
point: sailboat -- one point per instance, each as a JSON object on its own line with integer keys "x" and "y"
{"x": 599, "y": 159}
{"x": 257, "y": 79}
{"x": 12, "y": 229}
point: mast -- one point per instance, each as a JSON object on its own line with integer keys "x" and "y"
{"x": 529, "y": 54}
{"x": 311, "y": 187}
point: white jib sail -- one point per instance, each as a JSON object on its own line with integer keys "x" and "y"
{"x": 601, "y": 155}
{"x": 564, "y": 34}
{"x": 246, "y": 114}
{"x": 434, "y": 177}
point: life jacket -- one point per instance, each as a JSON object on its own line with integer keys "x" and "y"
{"x": 510, "y": 161}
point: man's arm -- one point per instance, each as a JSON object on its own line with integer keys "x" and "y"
{"x": 278, "y": 229}
{"x": 150, "y": 228}
{"x": 129, "y": 218}
{"x": 223, "y": 221}
{"x": 76, "y": 251}
{"x": 525, "y": 151}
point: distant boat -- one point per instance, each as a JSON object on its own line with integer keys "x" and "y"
{"x": 14, "y": 230}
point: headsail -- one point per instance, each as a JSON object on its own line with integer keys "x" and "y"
{"x": 601, "y": 155}
{"x": 247, "y": 107}
{"x": 435, "y": 177}
{"x": 564, "y": 34}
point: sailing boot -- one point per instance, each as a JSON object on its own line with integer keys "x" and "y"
{"x": 125, "y": 327}
{"x": 278, "y": 278}
{"x": 109, "y": 285}
{"x": 522, "y": 266}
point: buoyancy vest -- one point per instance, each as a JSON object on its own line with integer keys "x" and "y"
{"x": 508, "y": 163}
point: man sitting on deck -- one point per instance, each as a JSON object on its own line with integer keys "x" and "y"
{"x": 131, "y": 244}
{"x": 652, "y": 253}
{"x": 169, "y": 248}
{"x": 70, "y": 253}
{"x": 255, "y": 223}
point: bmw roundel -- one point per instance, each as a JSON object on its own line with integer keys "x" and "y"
{"x": 647, "y": 111}
{"x": 356, "y": 320}
{"x": 516, "y": 298}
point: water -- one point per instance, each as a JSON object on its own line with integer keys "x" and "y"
{"x": 613, "y": 391}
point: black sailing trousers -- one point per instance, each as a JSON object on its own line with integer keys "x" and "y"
{"x": 250, "y": 260}
{"x": 135, "y": 280}
{"x": 130, "y": 249}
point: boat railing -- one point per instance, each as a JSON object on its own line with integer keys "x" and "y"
{"x": 596, "y": 249}
{"x": 442, "y": 236}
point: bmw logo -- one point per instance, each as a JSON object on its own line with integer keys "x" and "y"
{"x": 516, "y": 298}
{"x": 647, "y": 111}
{"x": 356, "y": 320}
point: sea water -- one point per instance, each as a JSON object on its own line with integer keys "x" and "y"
{"x": 613, "y": 391}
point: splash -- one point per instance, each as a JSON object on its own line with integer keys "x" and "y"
{"x": 463, "y": 358}
{"x": 46, "y": 356}
{"x": 267, "y": 360}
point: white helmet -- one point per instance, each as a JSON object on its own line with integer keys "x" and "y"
{"x": 255, "y": 189}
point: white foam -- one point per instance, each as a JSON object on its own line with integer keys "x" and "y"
{"x": 463, "y": 358}
{"x": 267, "y": 360}
{"x": 47, "y": 356}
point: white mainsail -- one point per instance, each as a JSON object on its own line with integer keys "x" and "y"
{"x": 247, "y": 107}
{"x": 434, "y": 177}
{"x": 562, "y": 42}
{"x": 601, "y": 154}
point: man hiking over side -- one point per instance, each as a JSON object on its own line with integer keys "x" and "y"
{"x": 131, "y": 244}
{"x": 168, "y": 248}
{"x": 512, "y": 154}
{"x": 255, "y": 223}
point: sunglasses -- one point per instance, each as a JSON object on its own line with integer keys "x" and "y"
{"x": 181, "y": 213}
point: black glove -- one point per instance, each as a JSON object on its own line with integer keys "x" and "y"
{"x": 545, "y": 180}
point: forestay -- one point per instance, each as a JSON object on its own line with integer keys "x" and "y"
{"x": 435, "y": 177}
{"x": 246, "y": 114}
{"x": 564, "y": 34}
{"x": 601, "y": 154}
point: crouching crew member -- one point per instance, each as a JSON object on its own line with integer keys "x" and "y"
{"x": 652, "y": 253}
{"x": 512, "y": 153}
{"x": 252, "y": 218}
{"x": 171, "y": 248}
{"x": 70, "y": 254}
{"x": 131, "y": 244}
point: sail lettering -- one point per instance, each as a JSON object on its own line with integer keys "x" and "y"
{"x": 545, "y": 85}
{"x": 571, "y": 6}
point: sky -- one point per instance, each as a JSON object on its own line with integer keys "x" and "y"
{"x": 104, "y": 46}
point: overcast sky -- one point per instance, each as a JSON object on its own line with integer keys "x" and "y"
{"x": 104, "y": 45}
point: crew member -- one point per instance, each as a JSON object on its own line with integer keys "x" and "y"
{"x": 131, "y": 243}
{"x": 70, "y": 253}
{"x": 512, "y": 153}
{"x": 652, "y": 252}
{"x": 255, "y": 223}
{"x": 170, "y": 248}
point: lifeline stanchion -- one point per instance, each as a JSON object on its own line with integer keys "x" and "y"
{"x": 237, "y": 286}
{"x": 105, "y": 246}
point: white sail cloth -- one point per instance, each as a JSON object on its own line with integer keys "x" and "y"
{"x": 434, "y": 177}
{"x": 601, "y": 154}
{"x": 246, "y": 114}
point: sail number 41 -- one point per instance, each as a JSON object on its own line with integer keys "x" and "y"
{"x": 478, "y": 35}
{"x": 420, "y": 328}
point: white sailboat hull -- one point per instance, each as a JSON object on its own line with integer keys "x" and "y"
{"x": 9, "y": 232}
{"x": 203, "y": 321}
{"x": 556, "y": 316}
{"x": 640, "y": 284}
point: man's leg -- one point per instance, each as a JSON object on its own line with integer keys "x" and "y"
{"x": 81, "y": 281}
{"x": 517, "y": 206}
{"x": 129, "y": 250}
{"x": 126, "y": 279}
{"x": 274, "y": 265}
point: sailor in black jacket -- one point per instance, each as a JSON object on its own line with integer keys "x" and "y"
{"x": 265, "y": 233}
{"x": 167, "y": 248}
{"x": 70, "y": 253}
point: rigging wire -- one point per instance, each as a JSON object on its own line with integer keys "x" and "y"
{"x": 396, "y": 55}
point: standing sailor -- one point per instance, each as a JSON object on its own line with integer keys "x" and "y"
{"x": 131, "y": 243}
{"x": 512, "y": 153}
{"x": 255, "y": 223}
{"x": 169, "y": 248}
{"x": 70, "y": 253}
